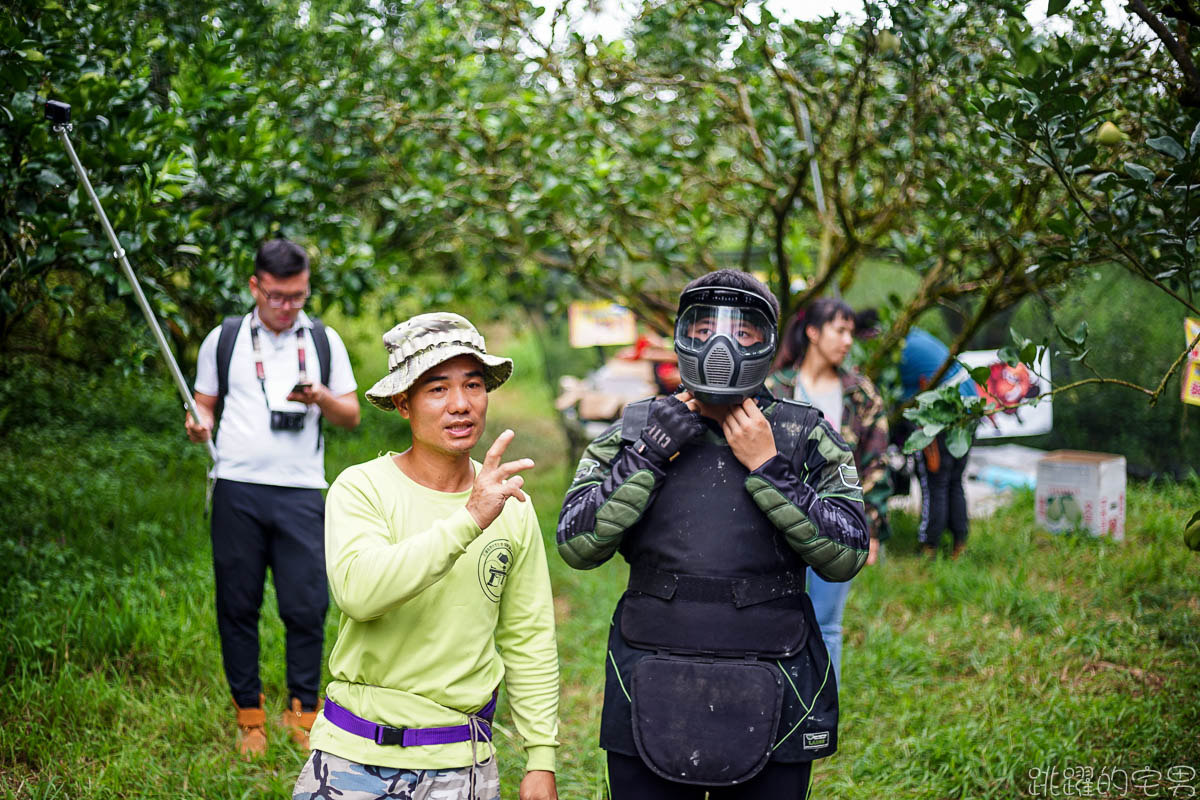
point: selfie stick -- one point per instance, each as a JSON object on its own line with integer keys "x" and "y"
{"x": 60, "y": 115}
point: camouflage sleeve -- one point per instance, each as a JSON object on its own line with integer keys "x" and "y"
{"x": 612, "y": 488}
{"x": 820, "y": 514}
{"x": 870, "y": 456}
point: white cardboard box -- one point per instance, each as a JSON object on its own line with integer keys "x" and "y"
{"x": 1078, "y": 489}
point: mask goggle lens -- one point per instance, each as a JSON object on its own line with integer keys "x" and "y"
{"x": 749, "y": 330}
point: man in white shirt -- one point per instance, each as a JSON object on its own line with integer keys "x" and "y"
{"x": 262, "y": 379}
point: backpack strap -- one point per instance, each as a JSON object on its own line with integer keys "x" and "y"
{"x": 633, "y": 420}
{"x": 320, "y": 340}
{"x": 225, "y": 342}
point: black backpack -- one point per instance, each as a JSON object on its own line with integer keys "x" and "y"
{"x": 225, "y": 342}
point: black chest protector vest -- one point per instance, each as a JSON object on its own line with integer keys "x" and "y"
{"x": 716, "y": 665}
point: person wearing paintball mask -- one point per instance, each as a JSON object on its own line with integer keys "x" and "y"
{"x": 719, "y": 497}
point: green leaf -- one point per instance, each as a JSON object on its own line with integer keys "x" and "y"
{"x": 958, "y": 441}
{"x": 1168, "y": 146}
{"x": 917, "y": 441}
{"x": 1009, "y": 355}
{"x": 1085, "y": 55}
{"x": 1074, "y": 340}
{"x": 1000, "y": 109}
{"x": 1081, "y": 332}
{"x": 981, "y": 374}
{"x": 1140, "y": 173}
{"x": 1194, "y": 142}
{"x": 1085, "y": 155}
{"x": 1056, "y": 7}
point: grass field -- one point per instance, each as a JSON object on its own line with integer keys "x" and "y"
{"x": 1033, "y": 651}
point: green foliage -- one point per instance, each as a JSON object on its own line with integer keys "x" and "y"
{"x": 1134, "y": 204}
{"x": 1053, "y": 109}
{"x": 204, "y": 129}
{"x": 945, "y": 410}
{"x": 1132, "y": 330}
{"x": 444, "y": 152}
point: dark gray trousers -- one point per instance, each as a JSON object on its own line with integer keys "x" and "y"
{"x": 254, "y": 527}
{"x": 943, "y": 499}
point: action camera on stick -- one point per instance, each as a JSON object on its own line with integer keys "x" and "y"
{"x": 58, "y": 113}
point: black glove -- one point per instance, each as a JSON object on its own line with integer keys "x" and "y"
{"x": 669, "y": 426}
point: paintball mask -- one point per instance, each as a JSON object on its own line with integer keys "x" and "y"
{"x": 725, "y": 339}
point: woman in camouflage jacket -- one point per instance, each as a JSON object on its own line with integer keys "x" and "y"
{"x": 810, "y": 368}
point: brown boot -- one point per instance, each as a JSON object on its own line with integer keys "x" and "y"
{"x": 252, "y": 732}
{"x": 958, "y": 550}
{"x": 299, "y": 723}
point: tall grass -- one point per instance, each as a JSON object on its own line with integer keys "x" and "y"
{"x": 960, "y": 677}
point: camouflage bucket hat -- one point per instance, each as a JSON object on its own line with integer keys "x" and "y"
{"x": 423, "y": 342}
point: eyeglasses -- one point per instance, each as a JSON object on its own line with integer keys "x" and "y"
{"x": 277, "y": 300}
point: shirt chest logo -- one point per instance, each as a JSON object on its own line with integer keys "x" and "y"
{"x": 494, "y": 563}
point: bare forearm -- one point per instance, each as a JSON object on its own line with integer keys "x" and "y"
{"x": 341, "y": 411}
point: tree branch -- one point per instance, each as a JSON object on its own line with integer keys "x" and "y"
{"x": 1190, "y": 95}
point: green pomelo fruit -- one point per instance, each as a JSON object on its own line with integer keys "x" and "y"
{"x": 1109, "y": 135}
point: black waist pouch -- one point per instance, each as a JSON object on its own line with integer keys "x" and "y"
{"x": 707, "y": 722}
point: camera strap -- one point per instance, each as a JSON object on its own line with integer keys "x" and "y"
{"x": 261, "y": 373}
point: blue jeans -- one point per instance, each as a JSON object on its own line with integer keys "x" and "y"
{"x": 829, "y": 601}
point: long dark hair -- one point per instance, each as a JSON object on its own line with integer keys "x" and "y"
{"x": 794, "y": 342}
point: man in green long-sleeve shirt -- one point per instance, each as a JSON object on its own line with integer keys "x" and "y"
{"x": 443, "y": 591}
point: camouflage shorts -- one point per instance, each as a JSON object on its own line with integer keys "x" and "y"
{"x": 335, "y": 778}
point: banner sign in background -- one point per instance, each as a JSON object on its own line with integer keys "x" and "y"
{"x": 1191, "y": 370}
{"x": 593, "y": 323}
{"x": 1007, "y": 387}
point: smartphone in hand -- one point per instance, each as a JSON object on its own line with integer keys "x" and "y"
{"x": 299, "y": 393}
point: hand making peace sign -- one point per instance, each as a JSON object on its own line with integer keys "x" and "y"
{"x": 496, "y": 482}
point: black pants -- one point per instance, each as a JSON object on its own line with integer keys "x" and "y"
{"x": 943, "y": 500}
{"x": 255, "y": 527}
{"x": 630, "y": 779}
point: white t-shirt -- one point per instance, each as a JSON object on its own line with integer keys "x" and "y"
{"x": 829, "y": 402}
{"x": 247, "y": 449}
